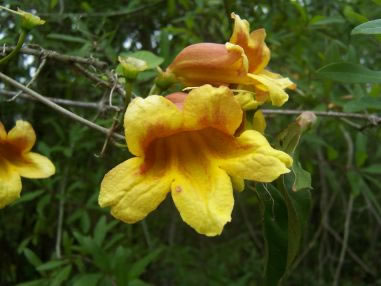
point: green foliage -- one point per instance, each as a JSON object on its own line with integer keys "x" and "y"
{"x": 330, "y": 49}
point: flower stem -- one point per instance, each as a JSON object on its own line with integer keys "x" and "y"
{"x": 20, "y": 42}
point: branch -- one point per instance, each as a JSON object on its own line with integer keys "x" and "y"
{"x": 58, "y": 108}
{"x": 49, "y": 54}
{"x": 73, "y": 103}
{"x": 374, "y": 119}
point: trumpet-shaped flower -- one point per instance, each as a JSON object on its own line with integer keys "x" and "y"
{"x": 240, "y": 61}
{"x": 186, "y": 145}
{"x": 16, "y": 160}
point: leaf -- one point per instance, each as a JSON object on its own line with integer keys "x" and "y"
{"x": 32, "y": 257}
{"x": 349, "y": 73}
{"x": 151, "y": 59}
{"x": 363, "y": 103}
{"x": 140, "y": 266}
{"x": 361, "y": 153}
{"x": 51, "y": 265}
{"x": 302, "y": 177}
{"x": 66, "y": 38}
{"x": 373, "y": 169}
{"x": 88, "y": 280}
{"x": 61, "y": 276}
{"x": 285, "y": 218}
{"x": 28, "y": 197}
{"x": 322, "y": 21}
{"x": 275, "y": 228}
{"x": 354, "y": 180}
{"x": 368, "y": 28}
{"x": 38, "y": 282}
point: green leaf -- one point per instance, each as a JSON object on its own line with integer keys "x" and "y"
{"x": 32, "y": 257}
{"x": 151, "y": 59}
{"x": 355, "y": 182}
{"x": 373, "y": 169}
{"x": 285, "y": 217}
{"x": 302, "y": 177}
{"x": 88, "y": 280}
{"x": 28, "y": 197}
{"x": 362, "y": 104}
{"x": 361, "y": 153}
{"x": 275, "y": 226}
{"x": 322, "y": 21}
{"x": 368, "y": 28}
{"x": 38, "y": 282}
{"x": 66, "y": 38}
{"x": 61, "y": 276}
{"x": 349, "y": 73}
{"x": 51, "y": 265}
{"x": 140, "y": 266}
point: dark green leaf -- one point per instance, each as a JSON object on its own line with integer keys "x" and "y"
{"x": 51, "y": 265}
{"x": 368, "y": 28}
{"x": 349, "y": 73}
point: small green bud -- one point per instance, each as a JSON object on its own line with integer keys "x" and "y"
{"x": 28, "y": 20}
{"x": 131, "y": 67}
{"x": 165, "y": 79}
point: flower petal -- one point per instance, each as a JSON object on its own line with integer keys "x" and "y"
{"x": 238, "y": 183}
{"x": 253, "y": 158}
{"x": 150, "y": 118}
{"x": 259, "y": 122}
{"x": 204, "y": 63}
{"x": 273, "y": 86}
{"x": 253, "y": 44}
{"x": 208, "y": 106}
{"x": 133, "y": 192}
{"x": 3, "y": 132}
{"x": 202, "y": 192}
{"x": 34, "y": 166}
{"x": 10, "y": 184}
{"x": 22, "y": 136}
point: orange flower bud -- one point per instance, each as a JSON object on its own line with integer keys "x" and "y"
{"x": 216, "y": 64}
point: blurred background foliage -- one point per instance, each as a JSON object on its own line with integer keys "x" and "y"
{"x": 56, "y": 234}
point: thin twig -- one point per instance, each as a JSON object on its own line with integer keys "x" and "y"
{"x": 38, "y": 71}
{"x": 73, "y": 103}
{"x": 61, "y": 212}
{"x": 374, "y": 119}
{"x": 49, "y": 54}
{"x": 345, "y": 240}
{"x": 350, "y": 251}
{"x": 58, "y": 107}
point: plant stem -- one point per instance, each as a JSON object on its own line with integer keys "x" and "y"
{"x": 20, "y": 42}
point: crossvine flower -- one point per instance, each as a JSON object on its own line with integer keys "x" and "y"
{"x": 16, "y": 160}
{"x": 241, "y": 61}
{"x": 187, "y": 145}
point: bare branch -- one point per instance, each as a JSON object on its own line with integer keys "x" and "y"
{"x": 57, "y": 107}
{"x": 374, "y": 119}
{"x": 49, "y": 54}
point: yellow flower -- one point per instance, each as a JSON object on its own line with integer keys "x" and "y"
{"x": 188, "y": 148}
{"x": 240, "y": 61}
{"x": 16, "y": 160}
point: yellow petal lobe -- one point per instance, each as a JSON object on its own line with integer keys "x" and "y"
{"x": 254, "y": 159}
{"x": 10, "y": 184}
{"x": 252, "y": 43}
{"x": 208, "y": 106}
{"x": 259, "y": 122}
{"x": 34, "y": 166}
{"x": 131, "y": 192}
{"x": 22, "y": 136}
